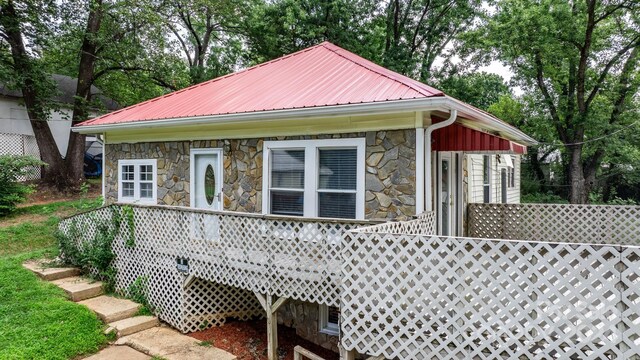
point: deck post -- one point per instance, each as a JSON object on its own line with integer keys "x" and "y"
{"x": 347, "y": 354}
{"x": 271, "y": 308}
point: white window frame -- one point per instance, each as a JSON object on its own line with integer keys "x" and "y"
{"x": 311, "y": 162}
{"x": 136, "y": 181}
{"x": 487, "y": 160}
{"x": 511, "y": 173}
{"x": 325, "y": 326}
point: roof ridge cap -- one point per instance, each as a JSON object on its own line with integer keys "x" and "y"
{"x": 90, "y": 121}
{"x": 413, "y": 87}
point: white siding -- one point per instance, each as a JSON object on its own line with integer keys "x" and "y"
{"x": 14, "y": 120}
{"x": 475, "y": 171}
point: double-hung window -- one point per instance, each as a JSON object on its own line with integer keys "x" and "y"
{"x": 137, "y": 181}
{"x": 314, "y": 178}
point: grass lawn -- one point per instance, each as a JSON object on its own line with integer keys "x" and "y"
{"x": 36, "y": 320}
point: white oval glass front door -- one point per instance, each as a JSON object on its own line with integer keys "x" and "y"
{"x": 206, "y": 183}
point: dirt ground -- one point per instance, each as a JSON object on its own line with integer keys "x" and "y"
{"x": 248, "y": 340}
{"x": 44, "y": 194}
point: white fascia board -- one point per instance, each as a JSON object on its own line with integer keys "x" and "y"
{"x": 440, "y": 103}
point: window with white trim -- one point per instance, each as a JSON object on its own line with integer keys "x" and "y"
{"x": 486, "y": 178}
{"x": 137, "y": 181}
{"x": 315, "y": 178}
{"x": 329, "y": 320}
{"x": 512, "y": 172}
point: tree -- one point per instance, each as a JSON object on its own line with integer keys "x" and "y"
{"x": 206, "y": 32}
{"x": 418, "y": 32}
{"x": 581, "y": 58}
{"x": 281, "y": 27}
{"x": 20, "y": 22}
{"x": 479, "y": 89}
{"x": 98, "y": 39}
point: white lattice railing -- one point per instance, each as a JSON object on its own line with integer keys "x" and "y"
{"x": 410, "y": 296}
{"x": 611, "y": 224}
{"x": 230, "y": 254}
{"x": 19, "y": 144}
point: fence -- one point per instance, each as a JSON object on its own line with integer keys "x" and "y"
{"x": 412, "y": 296}
{"x": 19, "y": 144}
{"x": 228, "y": 256}
{"x": 611, "y": 224}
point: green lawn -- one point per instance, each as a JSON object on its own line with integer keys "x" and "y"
{"x": 36, "y": 320}
{"x": 32, "y": 228}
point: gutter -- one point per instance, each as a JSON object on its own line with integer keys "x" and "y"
{"x": 440, "y": 103}
{"x": 427, "y": 157}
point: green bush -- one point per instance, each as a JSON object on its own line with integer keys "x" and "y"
{"x": 542, "y": 198}
{"x": 12, "y": 191}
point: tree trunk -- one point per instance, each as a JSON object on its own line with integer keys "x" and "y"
{"x": 54, "y": 172}
{"x": 578, "y": 187}
{"x": 76, "y": 149}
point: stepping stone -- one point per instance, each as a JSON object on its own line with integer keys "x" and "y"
{"x": 119, "y": 353}
{"x": 171, "y": 345}
{"x": 45, "y": 272}
{"x": 111, "y": 309}
{"x": 78, "y": 288}
{"x": 132, "y": 325}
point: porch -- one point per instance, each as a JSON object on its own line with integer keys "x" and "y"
{"x": 403, "y": 292}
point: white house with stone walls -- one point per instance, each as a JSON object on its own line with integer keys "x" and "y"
{"x": 319, "y": 137}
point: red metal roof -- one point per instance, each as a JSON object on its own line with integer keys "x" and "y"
{"x": 321, "y": 75}
{"x": 456, "y": 137}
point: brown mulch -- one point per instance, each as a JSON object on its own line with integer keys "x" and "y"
{"x": 248, "y": 340}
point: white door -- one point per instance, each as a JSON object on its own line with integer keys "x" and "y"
{"x": 446, "y": 194}
{"x": 206, "y": 179}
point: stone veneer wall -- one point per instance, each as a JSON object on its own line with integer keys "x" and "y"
{"x": 389, "y": 180}
{"x": 305, "y": 318}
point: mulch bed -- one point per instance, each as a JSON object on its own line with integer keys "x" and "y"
{"x": 248, "y": 340}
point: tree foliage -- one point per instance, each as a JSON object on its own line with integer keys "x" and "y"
{"x": 575, "y": 63}
{"x": 580, "y": 59}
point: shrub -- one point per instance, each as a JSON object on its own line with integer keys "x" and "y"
{"x": 12, "y": 191}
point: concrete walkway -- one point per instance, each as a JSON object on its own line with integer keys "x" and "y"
{"x": 142, "y": 333}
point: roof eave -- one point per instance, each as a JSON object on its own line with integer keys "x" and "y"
{"x": 439, "y": 103}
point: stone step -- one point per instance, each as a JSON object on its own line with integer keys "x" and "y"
{"x": 111, "y": 309}
{"x": 169, "y": 344}
{"x": 78, "y": 288}
{"x": 132, "y": 325}
{"x": 46, "y": 272}
{"x": 119, "y": 353}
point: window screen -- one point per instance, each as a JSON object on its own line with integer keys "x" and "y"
{"x": 287, "y": 182}
{"x": 337, "y": 181}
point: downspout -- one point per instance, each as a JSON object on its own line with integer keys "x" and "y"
{"x": 427, "y": 157}
{"x": 104, "y": 175}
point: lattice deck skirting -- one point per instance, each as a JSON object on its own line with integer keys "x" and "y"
{"x": 411, "y": 296}
{"x": 231, "y": 255}
{"x": 594, "y": 224}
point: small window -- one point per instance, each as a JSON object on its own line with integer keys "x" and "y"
{"x": 137, "y": 181}
{"x": 512, "y": 173}
{"x": 486, "y": 178}
{"x": 329, "y": 320}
